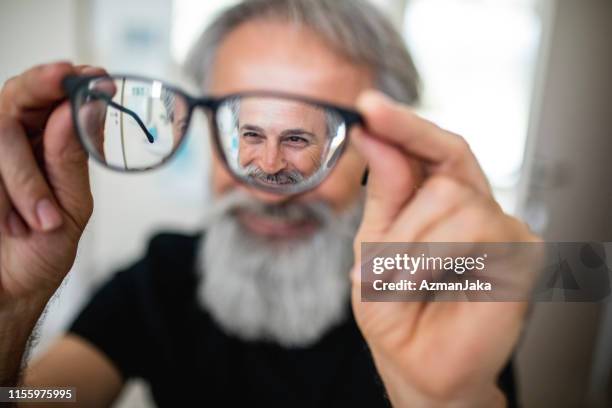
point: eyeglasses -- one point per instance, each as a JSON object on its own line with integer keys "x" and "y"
{"x": 276, "y": 142}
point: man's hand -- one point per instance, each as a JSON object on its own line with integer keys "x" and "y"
{"x": 45, "y": 198}
{"x": 45, "y": 201}
{"x": 425, "y": 185}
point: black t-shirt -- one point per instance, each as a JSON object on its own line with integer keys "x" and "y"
{"x": 148, "y": 322}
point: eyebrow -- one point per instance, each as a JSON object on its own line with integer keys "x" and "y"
{"x": 299, "y": 131}
{"x": 252, "y": 127}
{"x": 285, "y": 132}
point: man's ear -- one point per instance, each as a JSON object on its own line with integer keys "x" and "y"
{"x": 364, "y": 179}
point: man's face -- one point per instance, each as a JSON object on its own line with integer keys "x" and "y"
{"x": 281, "y": 137}
{"x": 278, "y": 56}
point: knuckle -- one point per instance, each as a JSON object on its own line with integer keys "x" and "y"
{"x": 29, "y": 181}
{"x": 520, "y": 230}
{"x": 445, "y": 388}
{"x": 443, "y": 187}
{"x": 461, "y": 147}
{"x": 9, "y": 84}
{"x": 6, "y": 91}
{"x": 480, "y": 220}
{"x": 475, "y": 215}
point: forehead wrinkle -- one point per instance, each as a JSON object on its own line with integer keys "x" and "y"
{"x": 268, "y": 121}
{"x": 280, "y": 57}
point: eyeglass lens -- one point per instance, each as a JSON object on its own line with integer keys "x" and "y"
{"x": 274, "y": 143}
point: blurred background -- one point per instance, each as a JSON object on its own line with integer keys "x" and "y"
{"x": 526, "y": 82}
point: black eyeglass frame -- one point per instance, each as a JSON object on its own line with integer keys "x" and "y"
{"x": 73, "y": 85}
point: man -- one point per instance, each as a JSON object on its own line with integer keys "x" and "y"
{"x": 286, "y": 137}
{"x": 257, "y": 309}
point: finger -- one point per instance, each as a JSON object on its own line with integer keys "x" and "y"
{"x": 438, "y": 198}
{"x": 65, "y": 160}
{"x": 477, "y": 221}
{"x": 11, "y": 223}
{"x": 5, "y": 208}
{"x": 393, "y": 178}
{"x": 32, "y": 96}
{"x": 445, "y": 152}
{"x": 65, "y": 163}
{"x": 16, "y": 225}
{"x": 511, "y": 269}
{"x": 23, "y": 180}
{"x": 90, "y": 70}
{"x": 37, "y": 88}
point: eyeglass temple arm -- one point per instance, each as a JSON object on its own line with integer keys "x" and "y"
{"x": 109, "y": 101}
{"x": 70, "y": 84}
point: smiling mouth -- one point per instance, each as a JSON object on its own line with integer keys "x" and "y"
{"x": 275, "y": 226}
{"x": 278, "y": 179}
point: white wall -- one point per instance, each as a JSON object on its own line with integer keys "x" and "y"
{"x": 21, "y": 46}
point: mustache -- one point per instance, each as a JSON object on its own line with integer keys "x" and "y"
{"x": 292, "y": 211}
{"x": 280, "y": 178}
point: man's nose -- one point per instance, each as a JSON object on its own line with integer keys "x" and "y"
{"x": 271, "y": 160}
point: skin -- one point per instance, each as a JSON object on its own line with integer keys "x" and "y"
{"x": 300, "y": 64}
{"x": 429, "y": 354}
{"x": 281, "y": 136}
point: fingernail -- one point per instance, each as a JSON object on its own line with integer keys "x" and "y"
{"x": 15, "y": 225}
{"x": 89, "y": 70}
{"x": 48, "y": 216}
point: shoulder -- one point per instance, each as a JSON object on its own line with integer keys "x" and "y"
{"x": 139, "y": 301}
{"x": 173, "y": 249}
{"x": 168, "y": 267}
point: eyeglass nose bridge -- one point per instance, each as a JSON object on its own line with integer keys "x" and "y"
{"x": 205, "y": 102}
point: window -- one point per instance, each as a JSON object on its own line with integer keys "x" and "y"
{"x": 477, "y": 61}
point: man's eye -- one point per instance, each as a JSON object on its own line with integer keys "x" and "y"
{"x": 252, "y": 136}
{"x": 297, "y": 141}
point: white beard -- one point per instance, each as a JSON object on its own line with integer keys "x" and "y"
{"x": 291, "y": 293}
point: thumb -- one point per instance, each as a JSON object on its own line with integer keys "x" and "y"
{"x": 66, "y": 167}
{"x": 393, "y": 178}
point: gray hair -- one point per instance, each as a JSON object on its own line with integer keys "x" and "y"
{"x": 333, "y": 121}
{"x": 353, "y": 28}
